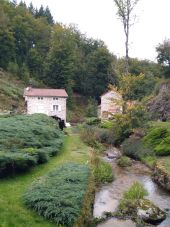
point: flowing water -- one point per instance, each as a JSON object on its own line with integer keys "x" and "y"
{"x": 108, "y": 196}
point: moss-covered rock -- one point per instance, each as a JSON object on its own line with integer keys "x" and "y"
{"x": 161, "y": 176}
{"x": 149, "y": 213}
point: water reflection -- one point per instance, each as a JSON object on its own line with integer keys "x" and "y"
{"x": 107, "y": 199}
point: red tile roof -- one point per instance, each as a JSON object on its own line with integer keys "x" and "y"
{"x": 45, "y": 92}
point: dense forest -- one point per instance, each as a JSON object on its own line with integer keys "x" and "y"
{"x": 36, "y": 48}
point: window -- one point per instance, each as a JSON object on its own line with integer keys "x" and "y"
{"x": 40, "y": 98}
{"x": 54, "y": 98}
{"x": 55, "y": 108}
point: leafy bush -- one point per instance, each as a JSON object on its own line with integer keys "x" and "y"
{"x": 124, "y": 161}
{"x": 155, "y": 136}
{"x": 59, "y": 195}
{"x": 11, "y": 163}
{"x": 102, "y": 170}
{"x": 93, "y": 121}
{"x": 163, "y": 148}
{"x": 134, "y": 148}
{"x": 124, "y": 124}
{"x": 159, "y": 140}
{"x": 34, "y": 137}
{"x": 89, "y": 136}
{"x": 106, "y": 124}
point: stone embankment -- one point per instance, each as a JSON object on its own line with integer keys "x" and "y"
{"x": 161, "y": 176}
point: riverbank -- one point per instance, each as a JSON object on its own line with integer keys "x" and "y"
{"x": 108, "y": 196}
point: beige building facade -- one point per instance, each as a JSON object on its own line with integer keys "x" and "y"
{"x": 51, "y": 102}
{"x": 111, "y": 103}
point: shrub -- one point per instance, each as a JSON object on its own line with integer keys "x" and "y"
{"x": 59, "y": 195}
{"x": 34, "y": 137}
{"x": 159, "y": 140}
{"x": 155, "y": 136}
{"x": 134, "y": 148}
{"x": 93, "y": 121}
{"x": 163, "y": 149}
{"x": 106, "y": 124}
{"x": 124, "y": 161}
{"x": 131, "y": 197}
{"x": 11, "y": 163}
{"x": 102, "y": 170}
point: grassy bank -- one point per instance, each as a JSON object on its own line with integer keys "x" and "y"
{"x": 165, "y": 163}
{"x": 12, "y": 211}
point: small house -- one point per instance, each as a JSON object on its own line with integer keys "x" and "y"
{"x": 51, "y": 102}
{"x": 111, "y": 103}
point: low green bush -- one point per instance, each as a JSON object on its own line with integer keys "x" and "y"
{"x": 163, "y": 149}
{"x": 159, "y": 140}
{"x": 155, "y": 136}
{"x": 89, "y": 135}
{"x": 92, "y": 121}
{"x": 102, "y": 170}
{"x": 35, "y": 137}
{"x": 133, "y": 147}
{"x": 124, "y": 161}
{"x": 11, "y": 163}
{"x": 106, "y": 124}
{"x": 131, "y": 197}
{"x": 59, "y": 195}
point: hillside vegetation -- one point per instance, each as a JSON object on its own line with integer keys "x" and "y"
{"x": 11, "y": 92}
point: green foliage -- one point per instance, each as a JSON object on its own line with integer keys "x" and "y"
{"x": 163, "y": 149}
{"x": 102, "y": 170}
{"x": 89, "y": 136}
{"x": 124, "y": 161}
{"x": 124, "y": 124}
{"x": 34, "y": 137}
{"x": 59, "y": 195}
{"x": 135, "y": 192}
{"x": 135, "y": 87}
{"x": 163, "y": 57}
{"x": 159, "y": 140}
{"x": 131, "y": 198}
{"x": 11, "y": 163}
{"x": 134, "y": 148}
{"x": 149, "y": 160}
{"x": 91, "y": 110}
{"x": 93, "y": 121}
{"x": 155, "y": 136}
{"x": 106, "y": 124}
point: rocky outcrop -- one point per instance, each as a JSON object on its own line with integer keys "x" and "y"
{"x": 159, "y": 106}
{"x": 150, "y": 213}
{"x": 161, "y": 176}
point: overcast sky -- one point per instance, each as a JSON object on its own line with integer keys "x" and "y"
{"x": 98, "y": 19}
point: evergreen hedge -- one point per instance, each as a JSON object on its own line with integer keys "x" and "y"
{"x": 59, "y": 195}
{"x": 26, "y": 141}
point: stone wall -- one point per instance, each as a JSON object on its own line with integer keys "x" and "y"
{"x": 45, "y": 105}
{"x": 162, "y": 177}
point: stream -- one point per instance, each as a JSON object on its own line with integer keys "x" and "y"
{"x": 108, "y": 196}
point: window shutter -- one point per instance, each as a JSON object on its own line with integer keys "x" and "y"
{"x": 59, "y": 108}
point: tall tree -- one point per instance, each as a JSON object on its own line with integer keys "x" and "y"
{"x": 163, "y": 57}
{"x": 124, "y": 12}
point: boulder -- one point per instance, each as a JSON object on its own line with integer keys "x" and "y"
{"x": 149, "y": 212}
{"x": 113, "y": 153}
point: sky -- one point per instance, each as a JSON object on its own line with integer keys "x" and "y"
{"x": 98, "y": 19}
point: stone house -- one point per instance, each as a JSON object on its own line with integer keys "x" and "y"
{"x": 51, "y": 102}
{"x": 111, "y": 103}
